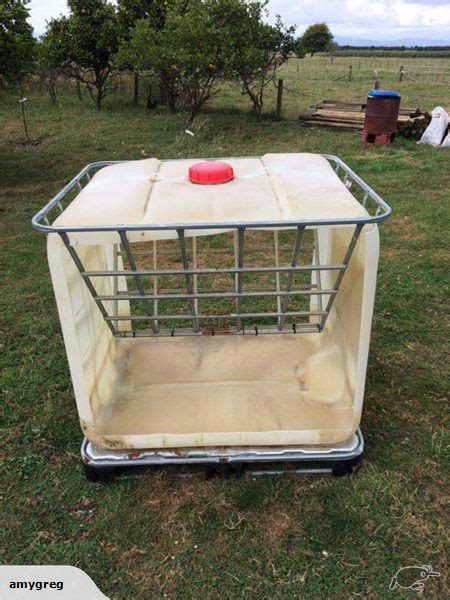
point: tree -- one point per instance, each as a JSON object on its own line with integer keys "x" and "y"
{"x": 317, "y": 38}
{"x": 256, "y": 49}
{"x": 84, "y": 44}
{"x": 17, "y": 44}
{"x": 187, "y": 55}
{"x": 49, "y": 66}
{"x": 129, "y": 12}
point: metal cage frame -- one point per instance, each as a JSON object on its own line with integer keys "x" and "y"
{"x": 378, "y": 210}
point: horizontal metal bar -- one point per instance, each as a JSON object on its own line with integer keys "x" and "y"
{"x": 206, "y": 251}
{"x": 244, "y": 270}
{"x": 98, "y": 456}
{"x": 200, "y": 296}
{"x": 249, "y": 287}
{"x": 252, "y": 330}
{"x": 188, "y": 317}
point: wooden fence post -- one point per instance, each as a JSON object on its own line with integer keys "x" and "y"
{"x": 377, "y": 84}
{"x": 400, "y": 73}
{"x": 279, "y": 98}
{"x": 350, "y": 68}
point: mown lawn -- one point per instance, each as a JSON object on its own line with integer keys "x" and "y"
{"x": 149, "y": 536}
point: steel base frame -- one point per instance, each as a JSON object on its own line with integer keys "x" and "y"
{"x": 339, "y": 459}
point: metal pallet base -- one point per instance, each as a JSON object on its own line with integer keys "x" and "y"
{"x": 339, "y": 459}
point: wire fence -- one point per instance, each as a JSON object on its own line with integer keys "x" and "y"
{"x": 332, "y": 68}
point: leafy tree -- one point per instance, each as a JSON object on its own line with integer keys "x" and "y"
{"x": 187, "y": 55}
{"x": 256, "y": 49}
{"x": 129, "y": 12}
{"x": 84, "y": 44}
{"x": 17, "y": 44}
{"x": 317, "y": 38}
{"x": 48, "y": 68}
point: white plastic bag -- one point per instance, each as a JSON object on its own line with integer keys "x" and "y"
{"x": 435, "y": 131}
{"x": 446, "y": 142}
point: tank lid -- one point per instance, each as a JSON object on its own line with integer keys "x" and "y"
{"x": 211, "y": 172}
{"x": 382, "y": 94}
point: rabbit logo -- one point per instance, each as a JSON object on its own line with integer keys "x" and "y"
{"x": 412, "y": 578}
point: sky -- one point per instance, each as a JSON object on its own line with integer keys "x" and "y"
{"x": 350, "y": 20}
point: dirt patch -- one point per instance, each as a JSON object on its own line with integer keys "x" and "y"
{"x": 405, "y": 229}
{"x": 27, "y": 144}
{"x": 276, "y": 525}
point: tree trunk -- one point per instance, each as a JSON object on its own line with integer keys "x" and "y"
{"x": 136, "y": 88}
{"x": 151, "y": 104}
{"x": 171, "y": 106}
{"x": 80, "y": 97}
{"x": 52, "y": 91}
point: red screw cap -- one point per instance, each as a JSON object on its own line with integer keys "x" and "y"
{"x": 211, "y": 172}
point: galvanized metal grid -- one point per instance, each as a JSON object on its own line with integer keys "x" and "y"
{"x": 189, "y": 308}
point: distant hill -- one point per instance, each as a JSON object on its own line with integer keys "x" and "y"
{"x": 408, "y": 42}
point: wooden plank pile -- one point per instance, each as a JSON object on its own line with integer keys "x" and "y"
{"x": 350, "y": 116}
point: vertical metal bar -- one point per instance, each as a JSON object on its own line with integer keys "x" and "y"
{"x": 317, "y": 272}
{"x": 76, "y": 259}
{"x": 115, "y": 279}
{"x": 277, "y": 273}
{"x": 290, "y": 277}
{"x": 194, "y": 263}
{"x": 240, "y": 261}
{"x": 366, "y": 196}
{"x": 184, "y": 258}
{"x": 341, "y": 273}
{"x": 137, "y": 278}
{"x": 235, "y": 241}
{"x": 155, "y": 283}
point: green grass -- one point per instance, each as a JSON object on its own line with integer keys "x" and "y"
{"x": 149, "y": 536}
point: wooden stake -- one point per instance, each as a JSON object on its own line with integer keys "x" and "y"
{"x": 350, "y": 68}
{"x": 279, "y": 99}
{"x": 24, "y": 118}
{"x": 400, "y": 73}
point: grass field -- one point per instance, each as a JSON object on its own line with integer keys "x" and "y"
{"x": 151, "y": 536}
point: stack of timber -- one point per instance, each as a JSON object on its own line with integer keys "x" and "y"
{"x": 350, "y": 115}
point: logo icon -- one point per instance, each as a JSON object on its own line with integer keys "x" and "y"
{"x": 412, "y": 578}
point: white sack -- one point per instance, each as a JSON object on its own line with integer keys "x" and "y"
{"x": 435, "y": 131}
{"x": 446, "y": 142}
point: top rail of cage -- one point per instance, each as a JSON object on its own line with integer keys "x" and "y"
{"x": 379, "y": 208}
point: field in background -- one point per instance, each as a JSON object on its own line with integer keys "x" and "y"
{"x": 151, "y": 536}
{"x": 407, "y": 53}
{"x": 424, "y": 70}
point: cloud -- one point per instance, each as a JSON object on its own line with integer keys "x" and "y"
{"x": 41, "y": 11}
{"x": 381, "y": 20}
